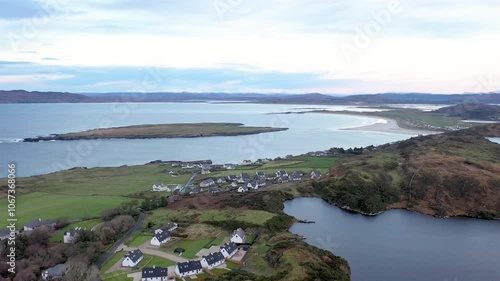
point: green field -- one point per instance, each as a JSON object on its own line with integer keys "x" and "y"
{"x": 191, "y": 247}
{"x": 140, "y": 239}
{"x": 84, "y": 193}
{"x": 52, "y": 206}
{"x": 114, "y": 259}
{"x": 181, "y": 130}
{"x": 83, "y": 224}
{"x": 251, "y": 216}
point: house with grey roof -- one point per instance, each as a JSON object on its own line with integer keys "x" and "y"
{"x": 171, "y": 226}
{"x": 132, "y": 258}
{"x": 160, "y": 238}
{"x": 55, "y": 272}
{"x": 71, "y": 235}
{"x": 34, "y": 224}
{"x": 228, "y": 250}
{"x": 207, "y": 183}
{"x": 4, "y": 234}
{"x": 315, "y": 175}
{"x": 238, "y": 236}
{"x": 297, "y": 175}
{"x": 242, "y": 189}
{"x": 283, "y": 179}
{"x": 155, "y": 273}
{"x": 253, "y": 185}
{"x": 260, "y": 174}
{"x": 212, "y": 260}
{"x": 281, "y": 173}
{"x": 183, "y": 269}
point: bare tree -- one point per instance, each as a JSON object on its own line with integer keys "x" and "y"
{"x": 79, "y": 269}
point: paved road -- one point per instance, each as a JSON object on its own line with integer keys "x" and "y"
{"x": 113, "y": 249}
{"x": 158, "y": 253}
{"x": 188, "y": 183}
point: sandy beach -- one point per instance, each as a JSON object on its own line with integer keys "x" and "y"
{"x": 391, "y": 126}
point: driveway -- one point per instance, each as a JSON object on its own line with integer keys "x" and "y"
{"x": 118, "y": 243}
{"x": 156, "y": 252}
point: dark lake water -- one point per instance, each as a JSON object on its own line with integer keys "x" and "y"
{"x": 400, "y": 245}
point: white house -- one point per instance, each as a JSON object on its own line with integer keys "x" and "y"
{"x": 315, "y": 175}
{"x": 133, "y": 258}
{"x": 228, "y": 250}
{"x": 160, "y": 238}
{"x": 230, "y": 166}
{"x": 171, "y": 226}
{"x": 242, "y": 189}
{"x": 159, "y": 187}
{"x": 253, "y": 185}
{"x": 246, "y": 162}
{"x": 238, "y": 236}
{"x": 188, "y": 268}
{"x": 155, "y": 273}
{"x": 207, "y": 183}
{"x": 212, "y": 260}
{"x": 71, "y": 234}
{"x": 281, "y": 174}
{"x": 283, "y": 179}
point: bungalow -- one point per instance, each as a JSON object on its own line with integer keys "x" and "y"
{"x": 4, "y": 234}
{"x": 242, "y": 189}
{"x": 253, "y": 185}
{"x": 221, "y": 180}
{"x": 207, "y": 183}
{"x": 247, "y": 162}
{"x": 188, "y": 268}
{"x": 296, "y": 176}
{"x": 260, "y": 174}
{"x": 133, "y": 258}
{"x": 55, "y": 272}
{"x": 167, "y": 228}
{"x": 283, "y": 179}
{"x": 71, "y": 235}
{"x": 232, "y": 177}
{"x": 205, "y": 171}
{"x": 315, "y": 175}
{"x": 230, "y": 166}
{"x": 213, "y": 189}
{"x": 228, "y": 250}
{"x": 175, "y": 174}
{"x": 34, "y": 224}
{"x": 234, "y": 184}
{"x": 160, "y": 238}
{"x": 238, "y": 236}
{"x": 244, "y": 177}
{"x": 212, "y": 260}
{"x": 155, "y": 273}
{"x": 281, "y": 174}
{"x": 159, "y": 187}
{"x": 261, "y": 183}
{"x": 270, "y": 177}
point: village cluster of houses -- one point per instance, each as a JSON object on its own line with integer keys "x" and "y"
{"x": 245, "y": 182}
{"x": 188, "y": 268}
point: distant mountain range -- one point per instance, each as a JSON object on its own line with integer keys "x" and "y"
{"x": 22, "y": 96}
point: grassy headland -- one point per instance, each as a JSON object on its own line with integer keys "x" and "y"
{"x": 180, "y": 130}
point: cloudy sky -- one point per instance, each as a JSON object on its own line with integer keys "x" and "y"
{"x": 268, "y": 46}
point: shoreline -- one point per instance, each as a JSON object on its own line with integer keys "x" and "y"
{"x": 390, "y": 126}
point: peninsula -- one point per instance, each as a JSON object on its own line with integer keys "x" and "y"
{"x": 149, "y": 131}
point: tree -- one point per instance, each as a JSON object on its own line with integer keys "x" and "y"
{"x": 79, "y": 269}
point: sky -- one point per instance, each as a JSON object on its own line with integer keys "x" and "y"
{"x": 242, "y": 46}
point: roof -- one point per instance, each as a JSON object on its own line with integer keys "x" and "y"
{"x": 39, "y": 222}
{"x": 134, "y": 255}
{"x": 162, "y": 236}
{"x": 316, "y": 172}
{"x": 72, "y": 231}
{"x": 56, "y": 270}
{"x": 240, "y": 233}
{"x": 284, "y": 178}
{"x": 214, "y": 258}
{"x": 260, "y": 173}
{"x": 155, "y": 271}
{"x": 229, "y": 247}
{"x": 188, "y": 266}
